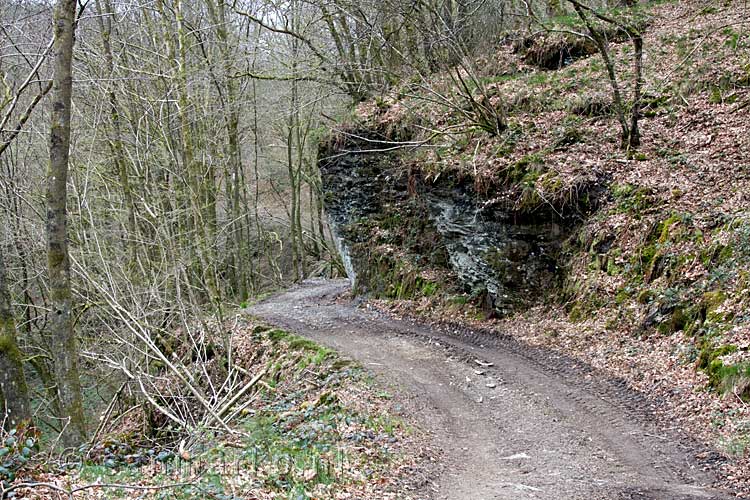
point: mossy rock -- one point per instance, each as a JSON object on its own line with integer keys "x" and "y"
{"x": 327, "y": 399}
{"x": 576, "y": 314}
{"x": 711, "y": 301}
{"x": 551, "y": 182}
{"x": 583, "y": 309}
{"x": 277, "y": 335}
{"x": 725, "y": 378}
{"x": 678, "y": 320}
{"x": 623, "y": 295}
{"x": 716, "y": 255}
{"x": 693, "y": 329}
{"x": 605, "y": 261}
{"x": 303, "y": 344}
{"x": 612, "y": 268}
{"x": 631, "y": 199}
{"x": 709, "y": 353}
{"x": 591, "y": 105}
{"x": 646, "y": 296}
{"x": 525, "y": 171}
{"x": 725, "y": 254}
{"x": 670, "y": 229}
{"x": 554, "y": 51}
{"x": 652, "y": 258}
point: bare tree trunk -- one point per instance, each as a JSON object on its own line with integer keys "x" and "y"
{"x": 230, "y": 105}
{"x": 631, "y": 136}
{"x": 65, "y": 349}
{"x": 352, "y": 78}
{"x": 295, "y": 231}
{"x": 315, "y": 247}
{"x": 635, "y": 113}
{"x": 13, "y": 389}
{"x": 105, "y": 25}
{"x": 300, "y": 139}
{"x": 293, "y": 179}
{"x": 601, "y": 44}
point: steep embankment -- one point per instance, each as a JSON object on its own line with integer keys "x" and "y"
{"x": 636, "y": 262}
{"x": 302, "y": 423}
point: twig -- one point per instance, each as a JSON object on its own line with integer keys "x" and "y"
{"x": 739, "y": 398}
{"x": 105, "y": 417}
{"x": 70, "y": 492}
{"x": 241, "y": 393}
{"x": 741, "y": 106}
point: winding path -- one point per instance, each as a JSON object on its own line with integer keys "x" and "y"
{"x": 514, "y": 422}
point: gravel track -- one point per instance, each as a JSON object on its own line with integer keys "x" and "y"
{"x": 513, "y": 421}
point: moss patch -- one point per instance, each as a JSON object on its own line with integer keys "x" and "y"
{"x": 631, "y": 199}
{"x": 725, "y": 378}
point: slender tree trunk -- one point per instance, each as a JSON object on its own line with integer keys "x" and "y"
{"x": 631, "y": 136}
{"x": 197, "y": 192}
{"x": 314, "y": 242}
{"x": 65, "y": 348}
{"x": 259, "y": 233}
{"x": 635, "y": 113}
{"x": 105, "y": 25}
{"x": 601, "y": 44}
{"x": 352, "y": 78}
{"x": 13, "y": 389}
{"x": 292, "y": 169}
{"x": 293, "y": 186}
{"x": 228, "y": 86}
{"x": 318, "y": 224}
{"x": 300, "y": 140}
{"x": 31, "y": 315}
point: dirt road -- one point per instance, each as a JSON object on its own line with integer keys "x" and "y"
{"x": 514, "y": 422}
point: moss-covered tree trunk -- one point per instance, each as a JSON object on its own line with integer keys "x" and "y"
{"x": 13, "y": 391}
{"x": 64, "y": 345}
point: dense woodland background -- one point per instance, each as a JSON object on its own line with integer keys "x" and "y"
{"x": 194, "y": 131}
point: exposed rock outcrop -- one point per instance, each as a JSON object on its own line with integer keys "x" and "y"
{"x": 497, "y": 251}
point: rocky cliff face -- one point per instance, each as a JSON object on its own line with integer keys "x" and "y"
{"x": 393, "y": 227}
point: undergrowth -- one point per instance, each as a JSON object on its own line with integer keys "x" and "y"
{"x": 317, "y": 426}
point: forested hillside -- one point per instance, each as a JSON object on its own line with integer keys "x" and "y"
{"x": 570, "y": 174}
{"x": 584, "y": 196}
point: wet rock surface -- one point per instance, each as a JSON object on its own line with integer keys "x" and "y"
{"x": 498, "y": 253}
{"x": 490, "y": 253}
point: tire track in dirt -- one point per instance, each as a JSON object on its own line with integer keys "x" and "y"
{"x": 515, "y": 422}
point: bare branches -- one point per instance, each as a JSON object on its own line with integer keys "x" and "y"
{"x": 630, "y": 136}
{"x": 13, "y": 104}
{"x": 283, "y": 31}
{"x": 70, "y": 492}
{"x": 24, "y": 118}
